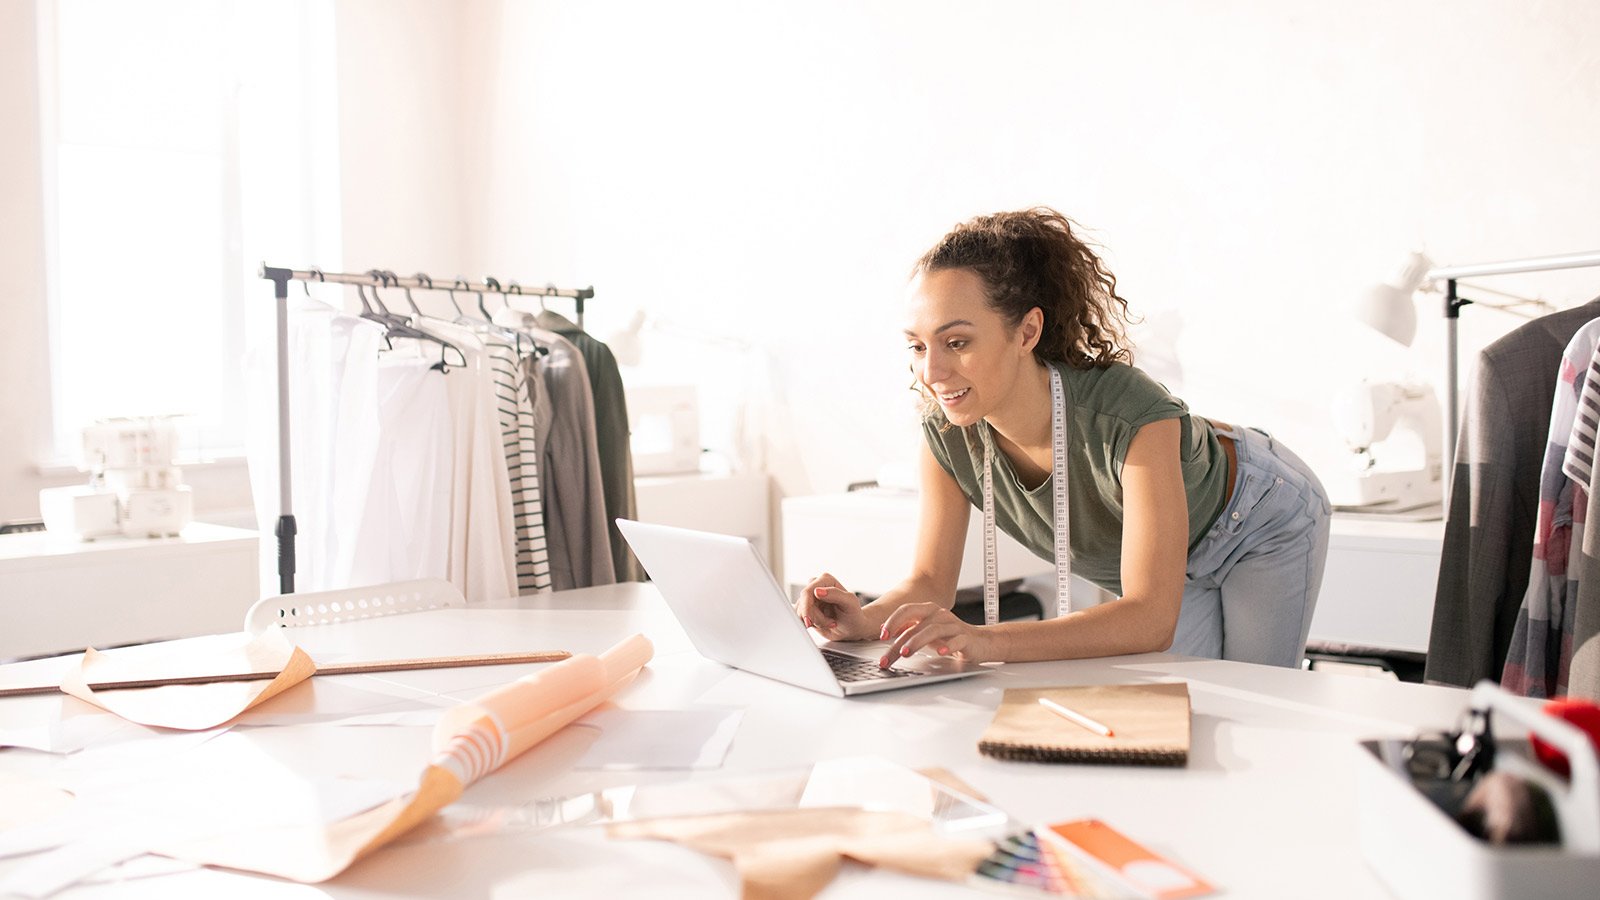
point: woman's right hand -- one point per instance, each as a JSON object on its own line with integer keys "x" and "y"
{"x": 834, "y": 612}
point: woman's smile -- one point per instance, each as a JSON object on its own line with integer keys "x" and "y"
{"x": 952, "y": 398}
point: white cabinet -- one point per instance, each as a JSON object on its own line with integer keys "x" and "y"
{"x": 735, "y": 504}
{"x": 59, "y": 594}
{"x": 1379, "y": 584}
{"x": 867, "y": 539}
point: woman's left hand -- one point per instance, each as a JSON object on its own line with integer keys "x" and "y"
{"x": 918, "y": 625}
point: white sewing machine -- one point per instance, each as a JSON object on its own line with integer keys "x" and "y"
{"x": 134, "y": 489}
{"x": 1393, "y": 431}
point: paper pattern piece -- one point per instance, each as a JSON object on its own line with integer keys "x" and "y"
{"x": 659, "y": 738}
{"x": 794, "y": 854}
{"x": 71, "y": 733}
{"x": 192, "y": 707}
{"x": 26, "y": 801}
{"x": 471, "y": 741}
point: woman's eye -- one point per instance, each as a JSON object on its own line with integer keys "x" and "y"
{"x": 956, "y": 345}
{"x": 914, "y": 348}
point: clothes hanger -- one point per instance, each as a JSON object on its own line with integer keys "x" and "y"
{"x": 461, "y": 317}
{"x": 400, "y": 326}
{"x": 485, "y": 324}
{"x": 550, "y": 319}
{"x": 514, "y": 289}
{"x": 306, "y": 285}
{"x": 426, "y": 283}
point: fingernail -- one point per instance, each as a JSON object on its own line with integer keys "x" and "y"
{"x": 807, "y": 620}
{"x": 822, "y": 592}
{"x": 883, "y": 661}
{"x": 906, "y": 650}
{"x": 944, "y": 651}
{"x": 884, "y": 634}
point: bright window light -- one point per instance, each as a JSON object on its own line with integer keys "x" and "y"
{"x": 168, "y": 182}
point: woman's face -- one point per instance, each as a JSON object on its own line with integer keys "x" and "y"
{"x": 963, "y": 353}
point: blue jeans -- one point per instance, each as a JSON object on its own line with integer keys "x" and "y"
{"x": 1252, "y": 581}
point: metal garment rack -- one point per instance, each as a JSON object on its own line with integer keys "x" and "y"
{"x": 280, "y": 278}
{"x": 1452, "y": 313}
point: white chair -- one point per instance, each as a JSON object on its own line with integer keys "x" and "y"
{"x": 349, "y": 604}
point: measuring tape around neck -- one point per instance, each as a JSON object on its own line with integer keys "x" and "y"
{"x": 1063, "y": 526}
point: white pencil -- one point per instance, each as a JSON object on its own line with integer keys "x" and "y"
{"x": 1073, "y": 715}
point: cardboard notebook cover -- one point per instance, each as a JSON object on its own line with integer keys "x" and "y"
{"x": 1149, "y": 725}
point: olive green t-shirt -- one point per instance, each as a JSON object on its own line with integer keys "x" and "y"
{"x": 1105, "y": 407}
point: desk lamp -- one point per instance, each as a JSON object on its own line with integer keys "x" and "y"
{"x": 1388, "y": 309}
{"x": 1407, "y": 476}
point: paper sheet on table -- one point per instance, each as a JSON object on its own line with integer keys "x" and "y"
{"x": 659, "y": 738}
{"x": 27, "y": 801}
{"x": 120, "y": 824}
{"x": 69, "y": 734}
{"x": 470, "y": 741}
{"x": 192, "y": 707}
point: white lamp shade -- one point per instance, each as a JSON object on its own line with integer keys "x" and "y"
{"x": 626, "y": 345}
{"x": 1389, "y": 311}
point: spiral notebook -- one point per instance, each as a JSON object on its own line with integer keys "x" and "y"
{"x": 1149, "y": 725}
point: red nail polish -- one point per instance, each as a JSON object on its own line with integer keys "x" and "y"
{"x": 807, "y": 620}
{"x": 906, "y": 650}
{"x": 883, "y": 662}
{"x": 822, "y": 592}
{"x": 944, "y": 651}
{"x": 883, "y": 635}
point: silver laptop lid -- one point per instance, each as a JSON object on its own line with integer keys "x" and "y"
{"x": 729, "y": 604}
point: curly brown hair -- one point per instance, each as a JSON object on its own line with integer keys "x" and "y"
{"x": 1033, "y": 257}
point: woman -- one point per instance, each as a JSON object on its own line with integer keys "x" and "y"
{"x": 1212, "y": 537}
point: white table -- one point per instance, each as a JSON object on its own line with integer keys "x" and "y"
{"x": 1265, "y": 808}
{"x": 59, "y": 594}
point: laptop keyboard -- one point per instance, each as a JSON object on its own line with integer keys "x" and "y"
{"x": 854, "y": 668}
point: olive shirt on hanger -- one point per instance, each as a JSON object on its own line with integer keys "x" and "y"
{"x": 1105, "y": 407}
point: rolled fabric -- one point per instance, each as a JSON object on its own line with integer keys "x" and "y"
{"x": 476, "y": 738}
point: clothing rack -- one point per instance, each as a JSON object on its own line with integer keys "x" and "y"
{"x": 375, "y": 278}
{"x": 1452, "y": 312}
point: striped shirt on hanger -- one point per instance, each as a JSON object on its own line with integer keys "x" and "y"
{"x": 522, "y": 462}
{"x": 1579, "y": 461}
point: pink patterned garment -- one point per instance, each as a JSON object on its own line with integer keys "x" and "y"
{"x": 1541, "y": 642}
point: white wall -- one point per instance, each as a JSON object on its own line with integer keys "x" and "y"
{"x": 766, "y": 173}
{"x": 769, "y": 171}
{"x": 24, "y": 361}
{"x": 402, "y": 174}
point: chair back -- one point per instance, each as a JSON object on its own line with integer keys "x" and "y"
{"x": 349, "y": 604}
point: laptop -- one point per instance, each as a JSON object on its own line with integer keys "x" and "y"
{"x": 734, "y": 612}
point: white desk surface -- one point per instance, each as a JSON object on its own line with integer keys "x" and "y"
{"x": 1265, "y": 808}
{"x": 31, "y": 545}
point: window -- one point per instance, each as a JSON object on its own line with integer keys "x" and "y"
{"x": 185, "y": 141}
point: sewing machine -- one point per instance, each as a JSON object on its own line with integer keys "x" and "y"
{"x": 134, "y": 489}
{"x": 1393, "y": 433}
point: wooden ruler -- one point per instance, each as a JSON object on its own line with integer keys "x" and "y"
{"x": 393, "y": 665}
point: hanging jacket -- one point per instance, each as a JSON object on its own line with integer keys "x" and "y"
{"x": 1494, "y": 498}
{"x": 612, "y": 437}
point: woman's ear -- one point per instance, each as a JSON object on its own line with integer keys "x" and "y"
{"x": 1032, "y": 327}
